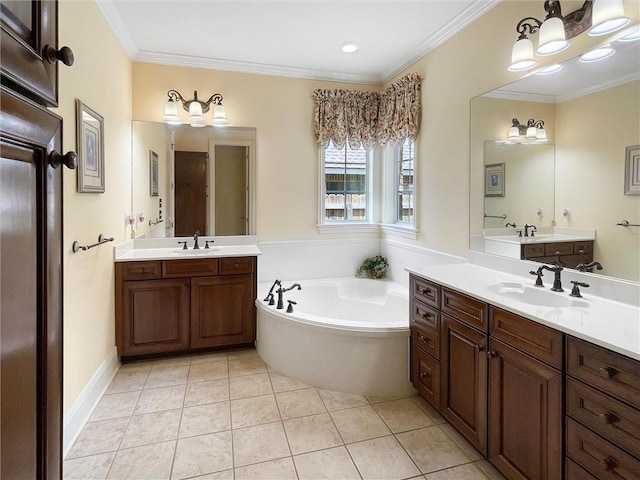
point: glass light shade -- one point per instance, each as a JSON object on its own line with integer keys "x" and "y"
{"x": 195, "y": 111}
{"x": 608, "y": 16}
{"x": 198, "y": 125}
{"x": 514, "y": 134}
{"x": 599, "y": 53}
{"x": 631, "y": 37}
{"x": 551, "y": 37}
{"x": 532, "y": 133}
{"x": 522, "y": 56}
{"x": 541, "y": 135}
{"x": 219, "y": 115}
{"x": 550, "y": 69}
{"x": 170, "y": 111}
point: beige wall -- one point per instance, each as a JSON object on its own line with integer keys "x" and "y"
{"x": 101, "y": 78}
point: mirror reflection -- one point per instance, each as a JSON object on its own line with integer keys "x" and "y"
{"x": 591, "y": 115}
{"x": 192, "y": 179}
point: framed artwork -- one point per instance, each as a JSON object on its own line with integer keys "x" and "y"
{"x": 632, "y": 170}
{"x": 90, "y": 145}
{"x": 494, "y": 180}
{"x": 153, "y": 173}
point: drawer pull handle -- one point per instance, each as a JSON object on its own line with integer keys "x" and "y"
{"x": 423, "y": 374}
{"x": 557, "y": 253}
{"x": 608, "y": 464}
{"x": 423, "y": 338}
{"x": 581, "y": 250}
{"x": 426, "y": 291}
{"x": 607, "y": 372}
{"x": 607, "y": 418}
{"x": 425, "y": 315}
{"x": 141, "y": 270}
{"x": 236, "y": 265}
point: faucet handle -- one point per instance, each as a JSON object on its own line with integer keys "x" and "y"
{"x": 575, "y": 291}
{"x": 184, "y": 245}
{"x": 539, "y": 278}
{"x": 290, "y": 307}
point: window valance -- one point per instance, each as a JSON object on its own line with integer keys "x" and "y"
{"x": 362, "y": 118}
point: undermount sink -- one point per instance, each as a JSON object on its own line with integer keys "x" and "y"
{"x": 535, "y": 295}
{"x": 196, "y": 253}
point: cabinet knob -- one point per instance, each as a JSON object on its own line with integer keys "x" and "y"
{"x": 423, "y": 374}
{"x": 64, "y": 55}
{"x": 607, "y": 372}
{"x": 141, "y": 270}
{"x": 236, "y": 265}
{"x": 608, "y": 463}
{"x": 425, "y": 315}
{"x": 607, "y": 418}
{"x": 426, "y": 291}
{"x": 69, "y": 160}
{"x": 423, "y": 338}
{"x": 557, "y": 253}
{"x": 581, "y": 250}
{"x": 491, "y": 354}
{"x": 479, "y": 348}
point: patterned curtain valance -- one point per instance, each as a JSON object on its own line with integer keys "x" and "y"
{"x": 362, "y": 118}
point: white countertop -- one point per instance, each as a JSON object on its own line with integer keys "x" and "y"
{"x": 544, "y": 238}
{"x": 607, "y": 323}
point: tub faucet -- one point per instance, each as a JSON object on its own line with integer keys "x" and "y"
{"x": 281, "y": 290}
{"x": 557, "y": 281}
{"x": 588, "y": 267}
{"x": 195, "y": 240}
{"x": 511, "y": 225}
{"x": 269, "y": 297}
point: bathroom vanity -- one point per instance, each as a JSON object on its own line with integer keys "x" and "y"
{"x": 170, "y": 301}
{"x": 503, "y": 361}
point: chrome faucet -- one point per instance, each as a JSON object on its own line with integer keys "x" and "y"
{"x": 557, "y": 281}
{"x": 195, "y": 240}
{"x": 588, "y": 267}
{"x": 526, "y": 230}
{"x": 281, "y": 290}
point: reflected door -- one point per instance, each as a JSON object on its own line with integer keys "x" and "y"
{"x": 191, "y": 193}
{"x": 230, "y": 190}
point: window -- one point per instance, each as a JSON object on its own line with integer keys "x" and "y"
{"x": 404, "y": 175}
{"x": 346, "y": 181}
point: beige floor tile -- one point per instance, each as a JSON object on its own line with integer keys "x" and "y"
{"x": 462, "y": 442}
{"x": 206, "y": 392}
{"x": 166, "y": 376}
{"x": 94, "y": 467}
{"x": 136, "y": 367}
{"x": 246, "y": 412}
{"x": 298, "y": 403}
{"x": 202, "y": 419}
{"x": 282, "y": 383}
{"x": 357, "y": 424}
{"x": 151, "y": 462}
{"x": 432, "y": 449}
{"x": 315, "y": 432}
{"x": 250, "y": 385}
{"x": 225, "y": 475}
{"x": 385, "y": 398}
{"x": 403, "y": 415}
{"x": 259, "y": 444}
{"x": 171, "y": 361}
{"x": 246, "y": 366}
{"x": 202, "y": 372}
{"x": 463, "y": 472}
{"x": 489, "y": 470}
{"x": 429, "y": 410}
{"x": 208, "y": 357}
{"x": 202, "y": 455}
{"x": 281, "y": 469}
{"x": 128, "y": 381}
{"x": 382, "y": 458}
{"x": 99, "y": 437}
{"x": 158, "y": 399}
{"x": 152, "y": 428}
{"x": 244, "y": 353}
{"x": 331, "y": 464}
{"x": 340, "y": 401}
{"x": 115, "y": 405}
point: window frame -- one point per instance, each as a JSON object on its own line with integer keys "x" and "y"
{"x": 392, "y": 225}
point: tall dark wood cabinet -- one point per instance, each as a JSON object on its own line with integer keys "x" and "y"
{"x": 30, "y": 242}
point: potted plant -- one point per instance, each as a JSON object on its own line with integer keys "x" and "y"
{"x": 373, "y": 267}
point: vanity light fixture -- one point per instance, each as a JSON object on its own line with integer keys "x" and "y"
{"x": 554, "y": 33}
{"x": 550, "y": 69}
{"x": 599, "y": 53}
{"x": 532, "y": 132}
{"x": 196, "y": 108}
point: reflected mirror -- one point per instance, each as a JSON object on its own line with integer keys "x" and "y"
{"x": 187, "y": 179}
{"x": 591, "y": 112}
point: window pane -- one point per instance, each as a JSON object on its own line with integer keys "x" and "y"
{"x": 404, "y": 172}
{"x": 345, "y": 172}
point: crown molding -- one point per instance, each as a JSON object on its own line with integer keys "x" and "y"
{"x": 520, "y": 96}
{"x": 115, "y": 22}
{"x": 614, "y": 82}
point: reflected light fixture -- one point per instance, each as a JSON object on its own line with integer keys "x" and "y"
{"x": 196, "y": 108}
{"x": 532, "y": 132}
{"x": 554, "y": 33}
{"x": 599, "y": 53}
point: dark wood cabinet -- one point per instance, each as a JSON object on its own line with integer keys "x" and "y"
{"x": 182, "y": 306}
{"x": 567, "y": 254}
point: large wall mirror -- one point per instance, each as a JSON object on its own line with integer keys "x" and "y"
{"x": 574, "y": 182}
{"x": 187, "y": 179}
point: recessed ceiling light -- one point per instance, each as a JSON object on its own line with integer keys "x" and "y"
{"x": 349, "y": 47}
{"x": 598, "y": 53}
{"x": 549, "y": 70}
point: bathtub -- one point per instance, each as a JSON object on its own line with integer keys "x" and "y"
{"x": 346, "y": 334}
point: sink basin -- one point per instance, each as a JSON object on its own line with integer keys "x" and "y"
{"x": 534, "y": 295}
{"x": 202, "y": 252}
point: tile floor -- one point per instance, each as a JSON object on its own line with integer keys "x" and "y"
{"x": 227, "y": 416}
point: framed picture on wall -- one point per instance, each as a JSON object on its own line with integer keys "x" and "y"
{"x": 153, "y": 173}
{"x": 632, "y": 171}
{"x": 90, "y": 145}
{"x": 494, "y": 180}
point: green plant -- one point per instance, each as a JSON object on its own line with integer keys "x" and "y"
{"x": 374, "y": 267}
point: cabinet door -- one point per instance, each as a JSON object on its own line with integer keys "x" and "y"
{"x": 463, "y": 392}
{"x": 525, "y": 415}
{"x": 425, "y": 375}
{"x": 222, "y": 311}
{"x": 155, "y": 316}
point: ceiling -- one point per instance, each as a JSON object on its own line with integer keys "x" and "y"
{"x": 294, "y": 38}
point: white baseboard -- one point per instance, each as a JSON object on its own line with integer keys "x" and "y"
{"x": 83, "y": 407}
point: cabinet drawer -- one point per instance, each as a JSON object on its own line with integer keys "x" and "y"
{"x": 427, "y": 339}
{"x": 425, "y": 375}
{"x": 140, "y": 270}
{"x": 576, "y": 472}
{"x": 235, "y": 265}
{"x": 614, "y": 420}
{"x": 467, "y": 309}
{"x": 529, "y": 251}
{"x": 559, "y": 248}
{"x": 424, "y": 315}
{"x": 596, "y": 455}
{"x": 190, "y": 268}
{"x": 583, "y": 247}
{"x": 572, "y": 261}
{"x": 425, "y": 291}
{"x": 539, "y": 341}
{"x": 611, "y": 372}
